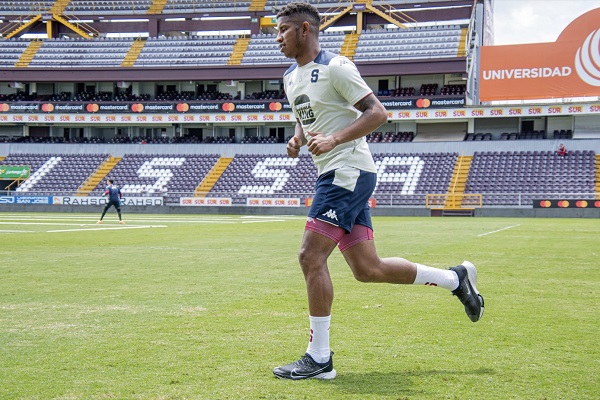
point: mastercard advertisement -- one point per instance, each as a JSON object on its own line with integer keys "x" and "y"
{"x": 569, "y": 67}
{"x": 572, "y": 203}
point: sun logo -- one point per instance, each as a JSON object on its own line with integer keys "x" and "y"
{"x": 587, "y": 59}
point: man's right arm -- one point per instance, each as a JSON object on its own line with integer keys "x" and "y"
{"x": 296, "y": 142}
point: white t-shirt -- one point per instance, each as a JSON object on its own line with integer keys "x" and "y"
{"x": 322, "y": 95}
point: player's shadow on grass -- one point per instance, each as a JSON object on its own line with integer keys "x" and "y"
{"x": 394, "y": 383}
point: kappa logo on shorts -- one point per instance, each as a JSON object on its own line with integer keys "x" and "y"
{"x": 331, "y": 214}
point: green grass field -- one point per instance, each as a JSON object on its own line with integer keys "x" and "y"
{"x": 203, "y": 307}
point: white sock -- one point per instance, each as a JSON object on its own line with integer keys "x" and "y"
{"x": 318, "y": 344}
{"x": 436, "y": 277}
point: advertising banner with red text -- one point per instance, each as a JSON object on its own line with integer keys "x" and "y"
{"x": 205, "y": 201}
{"x": 273, "y": 202}
{"x": 569, "y": 67}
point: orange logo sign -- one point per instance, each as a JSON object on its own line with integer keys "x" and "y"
{"x": 569, "y": 67}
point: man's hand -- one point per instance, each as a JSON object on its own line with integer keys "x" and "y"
{"x": 319, "y": 144}
{"x": 293, "y": 147}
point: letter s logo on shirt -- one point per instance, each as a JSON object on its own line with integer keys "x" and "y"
{"x": 314, "y": 76}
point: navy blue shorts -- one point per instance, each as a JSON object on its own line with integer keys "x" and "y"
{"x": 114, "y": 203}
{"x": 342, "y": 197}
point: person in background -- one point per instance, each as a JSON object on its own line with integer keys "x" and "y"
{"x": 164, "y": 192}
{"x": 114, "y": 199}
{"x": 335, "y": 109}
{"x": 562, "y": 150}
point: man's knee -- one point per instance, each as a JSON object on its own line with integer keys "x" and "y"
{"x": 306, "y": 257}
{"x": 366, "y": 274}
{"x": 311, "y": 261}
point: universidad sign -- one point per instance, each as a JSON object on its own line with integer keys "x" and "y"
{"x": 569, "y": 67}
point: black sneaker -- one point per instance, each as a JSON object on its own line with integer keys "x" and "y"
{"x": 306, "y": 368}
{"x": 467, "y": 292}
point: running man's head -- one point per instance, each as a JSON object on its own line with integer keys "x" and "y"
{"x": 299, "y": 12}
{"x": 298, "y": 29}
{"x": 111, "y": 181}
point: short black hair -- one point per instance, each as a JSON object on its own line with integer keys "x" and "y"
{"x": 301, "y": 12}
{"x": 111, "y": 181}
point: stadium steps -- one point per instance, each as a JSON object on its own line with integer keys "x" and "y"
{"x": 15, "y": 28}
{"x": 133, "y": 53}
{"x": 465, "y": 212}
{"x": 239, "y": 48}
{"x": 97, "y": 176}
{"x": 597, "y": 176}
{"x": 212, "y": 177}
{"x": 389, "y": 13}
{"x": 333, "y": 15}
{"x": 349, "y": 45}
{"x": 80, "y": 28}
{"x": 257, "y": 5}
{"x": 462, "y": 47}
{"x": 157, "y": 7}
{"x": 458, "y": 183}
{"x": 28, "y": 54}
{"x": 59, "y": 6}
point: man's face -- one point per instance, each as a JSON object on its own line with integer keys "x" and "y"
{"x": 288, "y": 37}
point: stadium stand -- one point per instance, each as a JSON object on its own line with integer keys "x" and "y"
{"x": 145, "y": 175}
{"x": 79, "y": 52}
{"x": 265, "y": 176}
{"x": 55, "y": 175}
{"x": 263, "y": 49}
{"x": 186, "y": 51}
{"x": 427, "y": 42}
{"x": 175, "y": 47}
{"x": 516, "y": 178}
{"x": 106, "y": 7}
{"x": 11, "y": 50}
{"x": 405, "y": 179}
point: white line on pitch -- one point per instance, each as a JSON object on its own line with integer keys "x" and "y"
{"x": 499, "y": 230}
{"x": 270, "y": 216}
{"x": 108, "y": 229}
{"x": 263, "y": 221}
{"x": 39, "y": 223}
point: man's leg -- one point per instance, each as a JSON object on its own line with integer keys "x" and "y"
{"x": 118, "y": 207}
{"x": 367, "y": 266}
{"x": 106, "y": 207}
{"x": 313, "y": 255}
{"x": 314, "y": 252}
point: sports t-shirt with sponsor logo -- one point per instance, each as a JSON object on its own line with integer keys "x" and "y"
{"x": 322, "y": 95}
{"x": 113, "y": 192}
